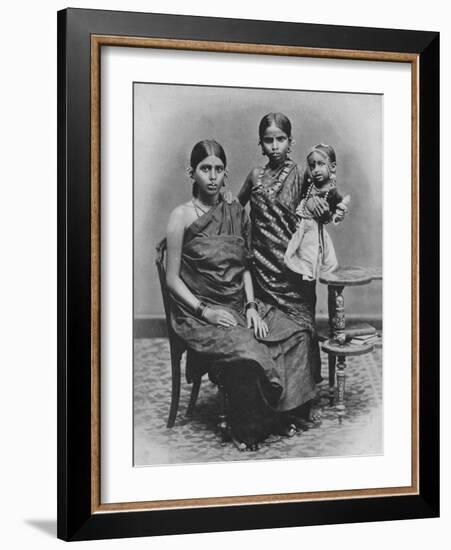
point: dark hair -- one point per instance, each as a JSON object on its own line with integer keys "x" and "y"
{"x": 326, "y": 149}
{"x": 202, "y": 150}
{"x": 278, "y": 119}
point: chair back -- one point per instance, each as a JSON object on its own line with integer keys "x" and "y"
{"x": 175, "y": 342}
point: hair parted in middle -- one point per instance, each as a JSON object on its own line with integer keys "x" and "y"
{"x": 203, "y": 149}
{"x": 276, "y": 119}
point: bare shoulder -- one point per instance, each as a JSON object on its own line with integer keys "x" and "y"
{"x": 180, "y": 217}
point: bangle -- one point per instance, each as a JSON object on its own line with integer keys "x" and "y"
{"x": 200, "y": 309}
{"x": 202, "y": 315}
{"x": 252, "y": 304}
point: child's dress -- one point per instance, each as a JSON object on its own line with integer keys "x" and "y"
{"x": 310, "y": 251}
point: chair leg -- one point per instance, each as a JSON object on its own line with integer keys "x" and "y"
{"x": 193, "y": 397}
{"x": 223, "y": 426}
{"x": 175, "y": 397}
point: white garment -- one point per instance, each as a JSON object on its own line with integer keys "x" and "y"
{"x": 310, "y": 251}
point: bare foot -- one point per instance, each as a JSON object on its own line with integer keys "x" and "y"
{"x": 286, "y": 429}
{"x": 312, "y": 420}
{"x": 315, "y": 416}
{"x": 242, "y": 446}
{"x": 290, "y": 430}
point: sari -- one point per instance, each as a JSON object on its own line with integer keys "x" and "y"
{"x": 215, "y": 253}
{"x": 273, "y": 202}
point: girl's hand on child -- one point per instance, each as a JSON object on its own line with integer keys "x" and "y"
{"x": 219, "y": 317}
{"x": 318, "y": 206}
{"x": 256, "y": 322}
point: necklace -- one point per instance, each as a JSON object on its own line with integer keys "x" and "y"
{"x": 283, "y": 171}
{"x": 198, "y": 207}
{"x": 310, "y": 192}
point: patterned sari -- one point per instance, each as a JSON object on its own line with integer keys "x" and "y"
{"x": 273, "y": 202}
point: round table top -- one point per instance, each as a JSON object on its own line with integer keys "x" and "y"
{"x": 348, "y": 275}
{"x": 375, "y": 272}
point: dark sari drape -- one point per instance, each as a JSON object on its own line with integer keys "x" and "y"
{"x": 273, "y": 202}
{"x": 215, "y": 253}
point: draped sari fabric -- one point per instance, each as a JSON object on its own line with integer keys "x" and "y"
{"x": 273, "y": 202}
{"x": 215, "y": 253}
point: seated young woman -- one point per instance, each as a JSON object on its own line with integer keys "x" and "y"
{"x": 213, "y": 308}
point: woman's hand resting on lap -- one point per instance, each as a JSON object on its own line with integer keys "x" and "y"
{"x": 219, "y": 316}
{"x": 256, "y": 322}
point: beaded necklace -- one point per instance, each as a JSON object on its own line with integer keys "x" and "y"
{"x": 280, "y": 180}
{"x": 309, "y": 193}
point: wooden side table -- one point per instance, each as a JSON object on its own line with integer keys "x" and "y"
{"x": 338, "y": 345}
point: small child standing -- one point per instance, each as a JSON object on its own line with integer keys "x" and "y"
{"x": 310, "y": 251}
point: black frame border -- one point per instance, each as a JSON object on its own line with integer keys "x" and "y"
{"x": 75, "y": 519}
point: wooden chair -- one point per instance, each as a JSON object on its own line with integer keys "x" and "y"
{"x": 195, "y": 366}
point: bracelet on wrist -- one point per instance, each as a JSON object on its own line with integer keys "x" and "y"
{"x": 251, "y": 305}
{"x": 200, "y": 309}
{"x": 204, "y": 310}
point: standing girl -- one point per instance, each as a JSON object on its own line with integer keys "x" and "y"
{"x": 275, "y": 192}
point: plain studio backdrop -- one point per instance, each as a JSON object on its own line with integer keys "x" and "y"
{"x": 28, "y": 277}
{"x": 170, "y": 119}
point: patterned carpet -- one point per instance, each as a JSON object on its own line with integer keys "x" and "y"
{"x": 194, "y": 440}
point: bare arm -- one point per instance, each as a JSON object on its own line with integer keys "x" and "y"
{"x": 245, "y": 192}
{"x": 248, "y": 286}
{"x": 174, "y": 235}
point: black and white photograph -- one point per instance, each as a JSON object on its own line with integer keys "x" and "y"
{"x": 225, "y": 309}
{"x": 257, "y": 274}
